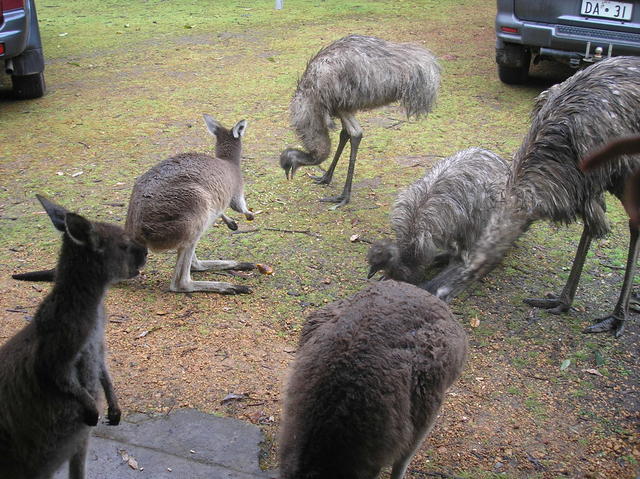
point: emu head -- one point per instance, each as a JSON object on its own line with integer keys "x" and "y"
{"x": 383, "y": 256}
{"x": 292, "y": 158}
{"x": 103, "y": 246}
{"x": 228, "y": 142}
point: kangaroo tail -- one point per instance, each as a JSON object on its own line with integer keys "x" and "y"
{"x": 44, "y": 275}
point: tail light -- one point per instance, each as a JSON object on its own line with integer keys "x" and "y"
{"x": 10, "y": 5}
{"x": 6, "y": 5}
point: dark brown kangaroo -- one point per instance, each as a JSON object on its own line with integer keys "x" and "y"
{"x": 52, "y": 370}
{"x": 368, "y": 380}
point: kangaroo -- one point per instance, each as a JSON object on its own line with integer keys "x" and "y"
{"x": 51, "y": 370}
{"x": 174, "y": 203}
{"x": 368, "y": 380}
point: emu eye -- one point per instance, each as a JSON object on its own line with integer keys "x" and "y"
{"x": 123, "y": 247}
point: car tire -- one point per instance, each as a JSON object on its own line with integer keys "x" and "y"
{"x": 26, "y": 87}
{"x": 513, "y": 76}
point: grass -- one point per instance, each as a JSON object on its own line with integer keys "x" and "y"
{"x": 128, "y": 84}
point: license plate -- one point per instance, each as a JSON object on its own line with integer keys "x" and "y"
{"x": 604, "y": 9}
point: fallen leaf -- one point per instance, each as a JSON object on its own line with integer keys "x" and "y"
{"x": 565, "y": 364}
{"x": 595, "y": 372}
{"x": 264, "y": 269}
{"x": 474, "y": 322}
{"x": 354, "y": 238}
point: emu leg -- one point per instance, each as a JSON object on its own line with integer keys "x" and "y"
{"x": 615, "y": 322}
{"x": 355, "y": 135}
{"x": 182, "y": 282}
{"x": 561, "y": 304}
{"x": 328, "y": 175}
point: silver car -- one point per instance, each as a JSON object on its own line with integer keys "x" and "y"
{"x": 570, "y": 31}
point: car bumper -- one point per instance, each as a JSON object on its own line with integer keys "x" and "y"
{"x": 566, "y": 41}
{"x": 14, "y": 32}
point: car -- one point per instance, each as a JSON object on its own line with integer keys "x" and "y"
{"x": 574, "y": 32}
{"x": 21, "y": 48}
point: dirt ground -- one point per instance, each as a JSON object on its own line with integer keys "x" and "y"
{"x": 538, "y": 399}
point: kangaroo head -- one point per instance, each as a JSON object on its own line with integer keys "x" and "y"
{"x": 105, "y": 247}
{"x": 228, "y": 142}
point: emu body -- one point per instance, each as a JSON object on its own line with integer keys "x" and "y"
{"x": 52, "y": 370}
{"x": 546, "y": 183}
{"x": 352, "y": 74}
{"x": 174, "y": 203}
{"x": 439, "y": 218}
{"x": 368, "y": 380}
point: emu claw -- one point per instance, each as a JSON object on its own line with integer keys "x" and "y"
{"x": 610, "y": 323}
{"x": 321, "y": 180}
{"x": 553, "y": 304}
{"x": 113, "y": 417}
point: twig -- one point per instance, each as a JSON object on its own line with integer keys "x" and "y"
{"x": 610, "y": 266}
{"x": 304, "y": 232}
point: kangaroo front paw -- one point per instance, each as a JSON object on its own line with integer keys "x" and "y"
{"x": 113, "y": 416}
{"x": 91, "y": 417}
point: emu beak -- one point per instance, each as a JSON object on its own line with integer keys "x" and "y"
{"x": 372, "y": 271}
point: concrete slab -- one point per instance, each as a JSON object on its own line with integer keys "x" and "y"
{"x": 186, "y": 444}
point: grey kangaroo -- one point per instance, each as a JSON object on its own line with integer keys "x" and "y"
{"x": 51, "y": 371}
{"x": 174, "y": 203}
{"x": 368, "y": 380}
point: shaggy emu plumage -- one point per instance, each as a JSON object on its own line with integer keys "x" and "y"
{"x": 368, "y": 380}
{"x": 584, "y": 112}
{"x": 440, "y": 217}
{"x": 352, "y": 74}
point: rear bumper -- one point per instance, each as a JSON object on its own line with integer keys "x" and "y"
{"x": 14, "y": 32}
{"x": 567, "y": 42}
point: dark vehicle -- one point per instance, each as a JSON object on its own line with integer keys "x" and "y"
{"x": 570, "y": 31}
{"x": 21, "y": 47}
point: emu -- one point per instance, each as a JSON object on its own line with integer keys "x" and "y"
{"x": 352, "y": 74}
{"x": 439, "y": 218}
{"x": 367, "y": 382}
{"x": 584, "y": 112}
{"x": 174, "y": 203}
{"x": 51, "y": 370}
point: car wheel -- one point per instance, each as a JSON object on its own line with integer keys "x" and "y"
{"x": 26, "y": 87}
{"x": 513, "y": 76}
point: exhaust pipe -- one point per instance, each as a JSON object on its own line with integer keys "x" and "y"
{"x": 8, "y": 67}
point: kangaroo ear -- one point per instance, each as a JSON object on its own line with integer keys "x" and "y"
{"x": 212, "y": 125}
{"x": 55, "y": 212}
{"x": 239, "y": 129}
{"x": 81, "y": 231}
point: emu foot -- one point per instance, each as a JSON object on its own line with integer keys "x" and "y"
{"x": 91, "y": 417}
{"x": 322, "y": 180}
{"x": 553, "y": 304}
{"x": 113, "y": 416}
{"x": 610, "y": 323}
{"x": 341, "y": 200}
